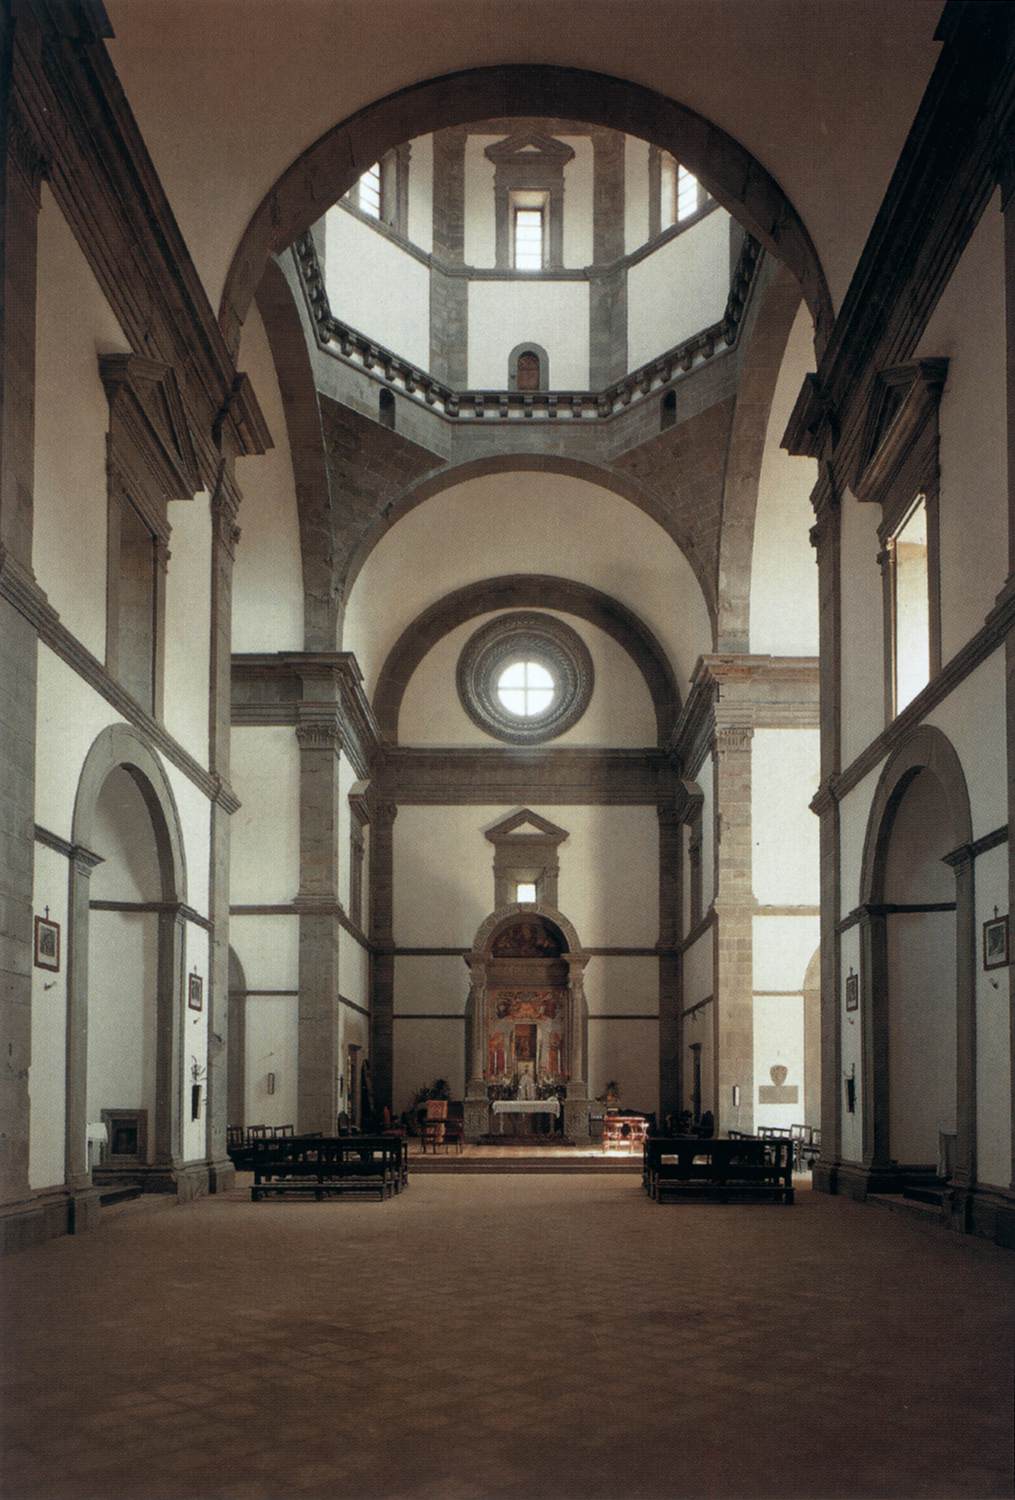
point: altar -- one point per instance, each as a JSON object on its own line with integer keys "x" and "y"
{"x": 523, "y": 1107}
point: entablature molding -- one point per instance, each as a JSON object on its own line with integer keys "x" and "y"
{"x": 452, "y": 777}
{"x": 81, "y": 133}
{"x": 284, "y": 687}
{"x": 741, "y": 691}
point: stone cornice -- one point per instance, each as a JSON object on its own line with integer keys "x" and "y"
{"x": 19, "y": 587}
{"x": 942, "y": 182}
{"x": 740, "y": 691}
{"x": 917, "y": 389}
{"x": 989, "y": 638}
{"x": 449, "y": 777}
{"x": 76, "y": 114}
{"x": 283, "y": 688}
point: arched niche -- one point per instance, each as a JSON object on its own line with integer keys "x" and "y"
{"x": 120, "y": 748}
{"x": 917, "y": 868}
{"x": 526, "y": 984}
{"x": 326, "y": 170}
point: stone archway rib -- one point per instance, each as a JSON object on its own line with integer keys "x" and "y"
{"x": 526, "y": 590}
{"x": 328, "y": 168}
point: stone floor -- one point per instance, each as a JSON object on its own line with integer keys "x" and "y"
{"x": 524, "y": 1336}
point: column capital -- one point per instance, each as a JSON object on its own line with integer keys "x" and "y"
{"x": 84, "y": 860}
{"x": 318, "y": 729}
{"x": 733, "y": 737}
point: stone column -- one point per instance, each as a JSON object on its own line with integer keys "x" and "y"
{"x": 576, "y": 1105}
{"x": 168, "y": 1154}
{"x": 670, "y": 908}
{"x": 963, "y": 1178}
{"x": 734, "y": 905}
{"x": 477, "y": 1106}
{"x": 21, "y": 171}
{"x": 224, "y": 536}
{"x": 1006, "y": 176}
{"x": 84, "y": 1199}
{"x": 874, "y": 1081}
{"x": 320, "y": 743}
{"x": 449, "y": 294}
{"x": 382, "y": 1002}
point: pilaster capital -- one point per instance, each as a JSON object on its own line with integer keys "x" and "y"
{"x": 826, "y": 797}
{"x": 383, "y": 813}
{"x": 668, "y": 815}
{"x": 319, "y": 730}
{"x": 84, "y": 860}
{"x": 733, "y": 738}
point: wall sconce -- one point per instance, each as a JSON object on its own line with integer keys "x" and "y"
{"x": 270, "y": 1083}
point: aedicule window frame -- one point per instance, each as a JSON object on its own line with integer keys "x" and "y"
{"x": 901, "y": 470}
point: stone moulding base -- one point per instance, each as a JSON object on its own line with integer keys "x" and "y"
{"x": 987, "y": 1212}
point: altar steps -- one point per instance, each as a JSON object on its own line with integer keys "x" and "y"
{"x": 507, "y": 1159}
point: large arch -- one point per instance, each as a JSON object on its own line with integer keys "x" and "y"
{"x": 526, "y": 591}
{"x": 925, "y": 750}
{"x": 328, "y": 168}
{"x": 120, "y": 747}
{"x": 624, "y": 485}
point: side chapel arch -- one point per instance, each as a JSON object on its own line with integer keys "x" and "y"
{"x": 926, "y": 749}
{"x": 482, "y": 962}
{"x": 120, "y": 747}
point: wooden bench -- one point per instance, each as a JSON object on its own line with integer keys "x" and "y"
{"x": 693, "y": 1167}
{"x": 329, "y": 1164}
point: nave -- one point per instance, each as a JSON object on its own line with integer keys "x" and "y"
{"x": 478, "y": 1338}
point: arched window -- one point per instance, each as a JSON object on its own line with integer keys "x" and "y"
{"x": 386, "y": 409}
{"x": 668, "y": 411}
{"x": 528, "y": 368}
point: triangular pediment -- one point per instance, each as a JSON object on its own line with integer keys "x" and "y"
{"x": 526, "y": 824}
{"x": 144, "y": 395}
{"x": 904, "y": 398}
{"x": 530, "y": 145}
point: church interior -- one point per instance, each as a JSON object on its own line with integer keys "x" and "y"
{"x": 371, "y": 763}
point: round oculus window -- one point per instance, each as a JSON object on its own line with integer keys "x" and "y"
{"x": 525, "y": 678}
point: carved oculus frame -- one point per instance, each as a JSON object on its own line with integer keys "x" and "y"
{"x": 527, "y": 636}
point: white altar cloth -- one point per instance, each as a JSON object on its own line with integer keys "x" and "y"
{"x": 526, "y": 1106}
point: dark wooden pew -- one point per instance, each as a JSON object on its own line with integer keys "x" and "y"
{"x": 692, "y": 1167}
{"x": 329, "y": 1164}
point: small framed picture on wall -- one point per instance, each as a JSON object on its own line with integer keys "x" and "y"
{"x": 47, "y": 943}
{"x": 995, "y": 942}
{"x": 195, "y": 992}
{"x": 852, "y": 992}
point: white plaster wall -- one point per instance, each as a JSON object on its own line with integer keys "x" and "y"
{"x": 679, "y": 289}
{"x": 503, "y": 314}
{"x": 968, "y": 328}
{"x": 48, "y": 1071}
{"x": 778, "y": 1041}
{"x": 69, "y": 716}
{"x": 195, "y": 1045}
{"x": 851, "y": 1032}
{"x": 376, "y": 287}
{"x": 993, "y": 1030}
{"x": 616, "y": 985}
{"x": 546, "y": 523}
{"x": 424, "y": 1051}
{"x": 437, "y": 984}
{"x": 973, "y": 718}
{"x": 578, "y": 190}
{"x": 784, "y": 573}
{"x": 921, "y": 1033}
{"x": 268, "y": 572}
{"x": 627, "y": 1051}
{"x": 620, "y": 712}
{"x": 268, "y": 950}
{"x": 353, "y": 969}
{"x": 783, "y": 947}
{"x": 122, "y": 978}
{"x": 420, "y": 224}
{"x": 443, "y": 887}
{"x": 480, "y": 209}
{"x": 635, "y": 193}
{"x": 188, "y": 625}
{"x": 854, "y": 812}
{"x": 784, "y": 778}
{"x": 272, "y": 1041}
{"x": 123, "y": 835}
{"x": 265, "y": 855}
{"x": 863, "y": 714}
{"x": 74, "y": 326}
{"x": 194, "y": 811}
{"x": 698, "y": 966}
